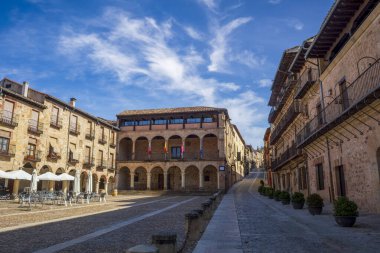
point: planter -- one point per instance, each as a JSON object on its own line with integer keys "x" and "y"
{"x": 345, "y": 221}
{"x": 271, "y": 196}
{"x": 277, "y": 198}
{"x": 285, "y": 202}
{"x": 297, "y": 205}
{"x": 315, "y": 210}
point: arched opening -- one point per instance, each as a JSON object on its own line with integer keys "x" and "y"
{"x": 174, "y": 178}
{"x": 71, "y": 183}
{"x": 192, "y": 147}
{"x": 83, "y": 181}
{"x": 102, "y": 184}
{"x": 158, "y": 146}
{"x": 44, "y": 185}
{"x": 210, "y": 178}
{"x": 141, "y": 149}
{"x": 58, "y": 186}
{"x": 157, "y": 178}
{"x": 111, "y": 185}
{"x": 210, "y": 147}
{"x": 174, "y": 147}
{"x": 192, "y": 178}
{"x": 124, "y": 179}
{"x": 140, "y": 179}
{"x": 95, "y": 181}
{"x": 125, "y": 149}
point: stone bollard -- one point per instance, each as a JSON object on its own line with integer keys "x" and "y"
{"x": 206, "y": 210}
{"x": 213, "y": 204}
{"x": 192, "y": 226}
{"x": 202, "y": 221}
{"x": 166, "y": 242}
{"x": 142, "y": 248}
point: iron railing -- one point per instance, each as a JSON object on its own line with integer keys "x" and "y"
{"x": 88, "y": 161}
{"x": 74, "y": 129}
{"x": 90, "y": 134}
{"x": 8, "y": 150}
{"x": 288, "y": 155}
{"x": 348, "y": 99}
{"x": 285, "y": 121}
{"x": 8, "y": 118}
{"x": 33, "y": 156}
{"x": 56, "y": 121}
{"x": 305, "y": 81}
{"x": 102, "y": 139}
{"x": 35, "y": 127}
{"x": 101, "y": 164}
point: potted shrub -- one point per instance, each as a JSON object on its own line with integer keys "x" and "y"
{"x": 285, "y": 197}
{"x": 345, "y": 212}
{"x": 314, "y": 204}
{"x": 265, "y": 191}
{"x": 261, "y": 190}
{"x": 261, "y": 182}
{"x": 270, "y": 192}
{"x": 276, "y": 195}
{"x": 298, "y": 200}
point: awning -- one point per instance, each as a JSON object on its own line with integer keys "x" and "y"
{"x": 19, "y": 174}
{"x": 65, "y": 177}
{"x": 48, "y": 176}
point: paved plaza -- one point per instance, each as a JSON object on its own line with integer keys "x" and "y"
{"x": 114, "y": 226}
{"x": 264, "y": 225}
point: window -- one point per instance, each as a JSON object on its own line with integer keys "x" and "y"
{"x": 176, "y": 121}
{"x": 159, "y": 122}
{"x": 31, "y": 152}
{"x": 136, "y": 178}
{"x": 112, "y": 137}
{"x": 54, "y": 115}
{"x": 207, "y": 178}
{"x": 74, "y": 122}
{"x": 128, "y": 123}
{"x": 193, "y": 120}
{"x": 111, "y": 159}
{"x": 208, "y": 120}
{"x": 33, "y": 123}
{"x": 102, "y": 133}
{"x": 143, "y": 122}
{"x": 8, "y": 110}
{"x": 87, "y": 154}
{"x": 319, "y": 114}
{"x": 320, "y": 179}
{"x": 175, "y": 152}
{"x": 100, "y": 154}
{"x": 4, "y": 145}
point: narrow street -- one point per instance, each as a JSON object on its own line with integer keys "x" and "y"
{"x": 268, "y": 226}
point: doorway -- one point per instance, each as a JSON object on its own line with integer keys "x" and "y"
{"x": 340, "y": 182}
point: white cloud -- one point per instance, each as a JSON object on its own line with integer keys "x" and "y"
{"x": 219, "y": 44}
{"x": 265, "y": 83}
{"x": 249, "y": 59}
{"x": 294, "y": 23}
{"x": 193, "y": 33}
{"x": 210, "y": 4}
{"x": 274, "y": 1}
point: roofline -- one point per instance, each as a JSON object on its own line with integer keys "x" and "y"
{"x": 238, "y": 132}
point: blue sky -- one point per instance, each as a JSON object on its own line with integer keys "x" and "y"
{"x": 135, "y": 54}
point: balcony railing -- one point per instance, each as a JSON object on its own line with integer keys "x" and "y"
{"x": 90, "y": 134}
{"x": 161, "y": 156}
{"x": 88, "y": 161}
{"x": 33, "y": 157}
{"x": 8, "y": 118}
{"x": 305, "y": 81}
{"x": 72, "y": 160}
{"x": 56, "y": 122}
{"x": 53, "y": 156}
{"x": 281, "y": 99}
{"x": 272, "y": 115}
{"x": 362, "y": 91}
{"x": 101, "y": 164}
{"x": 286, "y": 120}
{"x": 8, "y": 151}
{"x": 74, "y": 129}
{"x": 290, "y": 154}
{"x": 112, "y": 144}
{"x": 102, "y": 139}
{"x": 111, "y": 166}
{"x": 35, "y": 127}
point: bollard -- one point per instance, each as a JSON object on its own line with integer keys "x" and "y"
{"x": 142, "y": 248}
{"x": 206, "y": 206}
{"x": 212, "y": 203}
{"x": 201, "y": 221}
{"x": 166, "y": 242}
{"x": 192, "y": 226}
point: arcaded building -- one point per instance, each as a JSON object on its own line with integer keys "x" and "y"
{"x": 39, "y": 131}
{"x": 190, "y": 148}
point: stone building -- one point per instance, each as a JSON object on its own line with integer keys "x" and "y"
{"x": 267, "y": 157}
{"x": 190, "y": 148}
{"x": 249, "y": 159}
{"x": 330, "y": 131}
{"x": 39, "y": 131}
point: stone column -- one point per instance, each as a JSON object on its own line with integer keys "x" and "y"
{"x": 218, "y": 178}
{"x": 97, "y": 187}
{"x": 166, "y": 149}
{"x": 201, "y": 151}
{"x": 148, "y": 180}
{"x": 132, "y": 180}
{"x": 133, "y": 149}
{"x": 200, "y": 179}
{"x": 165, "y": 180}
{"x": 16, "y": 185}
{"x": 64, "y": 186}
{"x": 51, "y": 186}
{"x": 6, "y": 183}
{"x": 183, "y": 179}
{"x": 183, "y": 148}
{"x": 149, "y": 149}
{"x": 106, "y": 187}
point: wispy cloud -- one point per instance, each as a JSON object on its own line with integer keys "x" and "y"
{"x": 193, "y": 33}
{"x": 294, "y": 23}
{"x": 249, "y": 59}
{"x": 265, "y": 83}
{"x": 274, "y": 1}
{"x": 219, "y": 44}
{"x": 210, "y": 4}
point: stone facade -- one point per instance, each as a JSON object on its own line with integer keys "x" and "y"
{"x": 338, "y": 134}
{"x": 194, "y": 148}
{"x": 41, "y": 132}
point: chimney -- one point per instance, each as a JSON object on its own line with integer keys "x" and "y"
{"x": 72, "y": 101}
{"x": 25, "y": 88}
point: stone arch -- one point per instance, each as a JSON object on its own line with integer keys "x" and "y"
{"x": 192, "y": 147}
{"x": 174, "y": 178}
{"x": 111, "y": 184}
{"x": 83, "y": 181}
{"x": 191, "y": 178}
{"x": 157, "y": 146}
{"x": 174, "y": 147}
{"x": 210, "y": 147}
{"x": 140, "y": 179}
{"x": 125, "y": 149}
{"x": 102, "y": 183}
{"x": 44, "y": 185}
{"x": 124, "y": 179}
{"x": 141, "y": 148}
{"x": 71, "y": 183}
{"x": 157, "y": 178}
{"x": 210, "y": 178}
{"x": 95, "y": 181}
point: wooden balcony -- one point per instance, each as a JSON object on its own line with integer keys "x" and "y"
{"x": 53, "y": 157}
{"x": 35, "y": 127}
{"x": 36, "y": 157}
{"x": 290, "y": 154}
{"x": 8, "y": 119}
{"x": 307, "y": 79}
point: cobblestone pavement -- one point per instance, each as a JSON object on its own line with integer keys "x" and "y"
{"x": 146, "y": 215}
{"x": 268, "y": 226}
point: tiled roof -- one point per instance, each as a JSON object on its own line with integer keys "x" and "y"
{"x": 194, "y": 109}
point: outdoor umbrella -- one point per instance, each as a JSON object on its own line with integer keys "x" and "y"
{"x": 48, "y": 176}
{"x": 66, "y": 177}
{"x": 89, "y": 182}
{"x": 3, "y": 174}
{"x": 19, "y": 174}
{"x": 33, "y": 182}
{"x": 77, "y": 182}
